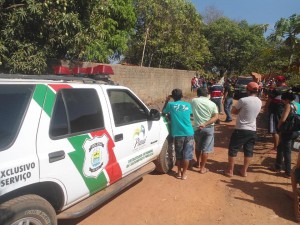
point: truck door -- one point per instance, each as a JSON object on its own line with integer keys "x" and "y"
{"x": 136, "y": 138}
{"x": 74, "y": 147}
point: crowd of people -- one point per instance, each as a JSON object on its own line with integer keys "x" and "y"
{"x": 193, "y": 123}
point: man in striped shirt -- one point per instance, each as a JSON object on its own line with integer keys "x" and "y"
{"x": 216, "y": 92}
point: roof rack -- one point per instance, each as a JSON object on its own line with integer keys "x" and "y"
{"x": 84, "y": 79}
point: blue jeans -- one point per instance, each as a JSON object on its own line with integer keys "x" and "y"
{"x": 204, "y": 139}
{"x": 227, "y": 108}
{"x": 218, "y": 103}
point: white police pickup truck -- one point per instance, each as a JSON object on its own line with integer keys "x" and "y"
{"x": 69, "y": 144}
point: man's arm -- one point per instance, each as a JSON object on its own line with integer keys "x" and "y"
{"x": 212, "y": 120}
{"x": 234, "y": 110}
{"x": 166, "y": 102}
{"x": 286, "y": 112}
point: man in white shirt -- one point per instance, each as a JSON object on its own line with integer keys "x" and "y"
{"x": 244, "y": 135}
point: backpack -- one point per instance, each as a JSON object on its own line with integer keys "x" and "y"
{"x": 292, "y": 122}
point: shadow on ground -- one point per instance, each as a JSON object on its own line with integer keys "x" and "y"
{"x": 266, "y": 194}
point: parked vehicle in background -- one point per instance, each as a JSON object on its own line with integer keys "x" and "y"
{"x": 68, "y": 144}
{"x": 240, "y": 85}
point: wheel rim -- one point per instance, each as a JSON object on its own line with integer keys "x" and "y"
{"x": 27, "y": 221}
{"x": 170, "y": 156}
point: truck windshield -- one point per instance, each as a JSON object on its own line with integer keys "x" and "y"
{"x": 14, "y": 100}
{"x": 244, "y": 81}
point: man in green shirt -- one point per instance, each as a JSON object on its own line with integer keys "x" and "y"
{"x": 205, "y": 114}
{"x": 181, "y": 129}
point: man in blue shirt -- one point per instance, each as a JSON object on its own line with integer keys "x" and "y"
{"x": 181, "y": 130}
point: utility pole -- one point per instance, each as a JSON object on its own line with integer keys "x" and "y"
{"x": 146, "y": 36}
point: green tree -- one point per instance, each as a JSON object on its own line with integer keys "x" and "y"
{"x": 286, "y": 38}
{"x": 32, "y": 32}
{"x": 168, "y": 34}
{"x": 268, "y": 62}
{"x": 233, "y": 45}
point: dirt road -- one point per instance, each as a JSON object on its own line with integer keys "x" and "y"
{"x": 261, "y": 198}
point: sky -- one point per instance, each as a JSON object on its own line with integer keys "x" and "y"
{"x": 253, "y": 11}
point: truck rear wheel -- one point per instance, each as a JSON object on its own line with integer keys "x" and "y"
{"x": 166, "y": 159}
{"x": 29, "y": 210}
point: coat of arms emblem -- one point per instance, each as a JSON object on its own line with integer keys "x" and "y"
{"x": 96, "y": 156}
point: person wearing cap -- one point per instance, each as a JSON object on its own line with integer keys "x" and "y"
{"x": 205, "y": 113}
{"x": 181, "y": 130}
{"x": 275, "y": 107}
{"x": 244, "y": 135}
{"x": 228, "y": 99}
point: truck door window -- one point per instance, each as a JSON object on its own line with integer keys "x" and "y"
{"x": 126, "y": 107}
{"x": 76, "y": 111}
{"x": 14, "y": 100}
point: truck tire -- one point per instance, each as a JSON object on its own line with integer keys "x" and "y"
{"x": 166, "y": 159}
{"x": 27, "y": 209}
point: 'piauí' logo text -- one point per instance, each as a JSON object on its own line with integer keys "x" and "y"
{"x": 139, "y": 136}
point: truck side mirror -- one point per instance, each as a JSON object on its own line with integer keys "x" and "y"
{"x": 154, "y": 114}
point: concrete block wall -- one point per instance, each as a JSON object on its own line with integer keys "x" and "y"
{"x": 152, "y": 84}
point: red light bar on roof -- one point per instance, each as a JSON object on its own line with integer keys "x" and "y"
{"x": 90, "y": 70}
{"x": 79, "y": 70}
{"x": 61, "y": 70}
{"x": 96, "y": 70}
{"x": 103, "y": 69}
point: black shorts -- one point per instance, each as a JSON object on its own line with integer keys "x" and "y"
{"x": 242, "y": 139}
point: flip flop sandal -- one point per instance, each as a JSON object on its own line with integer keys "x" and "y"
{"x": 206, "y": 171}
{"x": 184, "y": 177}
{"x": 178, "y": 176}
{"x": 223, "y": 172}
{"x": 243, "y": 174}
